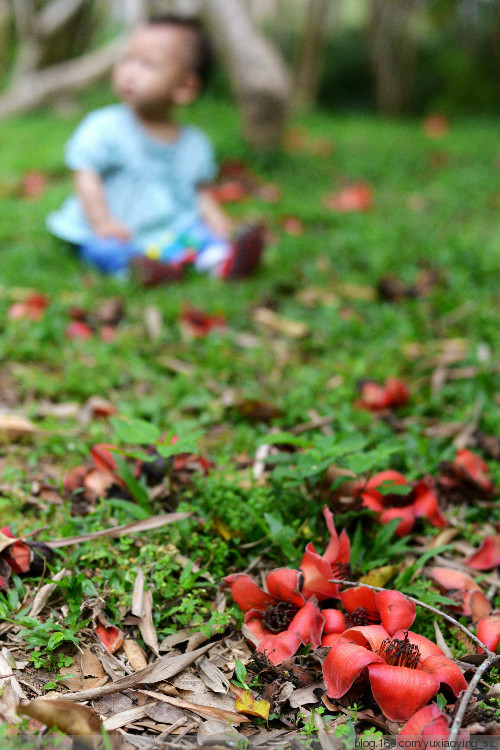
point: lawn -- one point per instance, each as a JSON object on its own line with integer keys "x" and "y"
{"x": 434, "y": 225}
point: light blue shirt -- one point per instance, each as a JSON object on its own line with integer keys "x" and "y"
{"x": 151, "y": 185}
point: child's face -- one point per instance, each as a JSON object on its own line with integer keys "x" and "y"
{"x": 155, "y": 71}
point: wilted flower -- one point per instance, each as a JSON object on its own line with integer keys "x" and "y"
{"x": 487, "y": 556}
{"x": 429, "y": 721}
{"x": 464, "y": 590}
{"x": 318, "y": 569}
{"x": 419, "y": 502}
{"x": 403, "y": 664}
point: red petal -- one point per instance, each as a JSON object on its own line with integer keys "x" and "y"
{"x": 334, "y": 621}
{"x": 406, "y": 515}
{"x": 317, "y": 572}
{"x": 425, "y": 646}
{"x": 279, "y": 647}
{"x": 338, "y": 550}
{"x": 446, "y": 671}
{"x": 453, "y": 580}
{"x": 374, "y": 397}
{"x": 330, "y": 639}
{"x": 79, "y": 330}
{"x": 247, "y": 594}
{"x": 371, "y": 497}
{"x": 110, "y": 635}
{"x": 284, "y": 584}
{"x": 367, "y": 635}
{"x": 308, "y": 625}
{"x": 102, "y": 457}
{"x": 7, "y": 532}
{"x": 343, "y": 664}
{"x": 358, "y": 596}
{"x": 389, "y": 684}
{"x": 398, "y": 393}
{"x": 73, "y": 479}
{"x": 430, "y": 721}
{"x": 18, "y": 556}
{"x": 488, "y": 631}
{"x": 372, "y": 500}
{"x": 253, "y": 621}
{"x": 475, "y": 467}
{"x": 385, "y": 476}
{"x": 425, "y": 505}
{"x": 487, "y": 556}
{"x": 476, "y": 605}
{"x": 396, "y": 611}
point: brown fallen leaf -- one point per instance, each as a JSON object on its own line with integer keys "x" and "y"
{"x": 127, "y": 717}
{"x": 162, "y": 669}
{"x": 135, "y": 654}
{"x": 42, "y": 595}
{"x": 68, "y": 717}
{"x": 14, "y": 427}
{"x": 146, "y": 625}
{"x": 137, "y": 608}
{"x": 213, "y": 678}
{"x": 246, "y": 703}
{"x": 153, "y": 522}
{"x": 209, "y": 711}
{"x": 85, "y": 672}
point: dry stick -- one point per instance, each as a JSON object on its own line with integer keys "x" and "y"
{"x": 491, "y": 657}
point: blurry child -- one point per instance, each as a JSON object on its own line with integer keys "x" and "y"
{"x": 142, "y": 180}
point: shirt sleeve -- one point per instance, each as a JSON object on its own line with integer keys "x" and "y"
{"x": 91, "y": 145}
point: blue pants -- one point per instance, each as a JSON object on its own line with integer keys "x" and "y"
{"x": 197, "y": 244}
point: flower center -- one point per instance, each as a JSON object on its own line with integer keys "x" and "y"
{"x": 278, "y": 617}
{"x": 399, "y": 653}
{"x": 341, "y": 571}
{"x": 362, "y": 616}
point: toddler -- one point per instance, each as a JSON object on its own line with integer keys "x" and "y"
{"x": 142, "y": 180}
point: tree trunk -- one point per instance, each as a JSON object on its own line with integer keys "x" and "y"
{"x": 257, "y": 73}
{"x": 393, "y": 54}
{"x": 311, "y": 53}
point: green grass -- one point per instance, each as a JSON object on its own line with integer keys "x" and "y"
{"x": 443, "y": 215}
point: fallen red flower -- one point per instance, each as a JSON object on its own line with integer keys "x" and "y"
{"x": 488, "y": 631}
{"x": 355, "y": 197}
{"x": 464, "y": 590}
{"x": 419, "y": 502}
{"x": 487, "y": 556}
{"x": 467, "y": 474}
{"x": 79, "y": 330}
{"x": 280, "y": 618}
{"x": 33, "y": 307}
{"x": 429, "y": 721}
{"x": 197, "y": 323}
{"x": 391, "y": 609}
{"x": 318, "y": 569}
{"x": 375, "y": 397}
{"x": 436, "y": 126}
{"x": 21, "y": 557}
{"x": 404, "y": 664}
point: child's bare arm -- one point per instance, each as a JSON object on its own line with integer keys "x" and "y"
{"x": 90, "y": 189}
{"x": 213, "y": 215}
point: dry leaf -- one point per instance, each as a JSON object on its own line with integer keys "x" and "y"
{"x": 213, "y": 678}
{"x": 153, "y": 321}
{"x": 127, "y": 717}
{"x": 135, "y": 654}
{"x": 42, "y": 595}
{"x": 87, "y": 672}
{"x": 66, "y": 716}
{"x": 153, "y": 522}
{"x": 246, "y": 703}
{"x": 146, "y": 626}
{"x": 210, "y": 711}
{"x": 14, "y": 427}
{"x": 268, "y": 319}
{"x": 160, "y": 670}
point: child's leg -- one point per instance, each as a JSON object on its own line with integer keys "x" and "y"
{"x": 108, "y": 254}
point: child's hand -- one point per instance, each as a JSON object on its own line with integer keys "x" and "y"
{"x": 113, "y": 228}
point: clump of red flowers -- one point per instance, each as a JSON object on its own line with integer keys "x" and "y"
{"x": 375, "y": 397}
{"x": 32, "y": 308}
{"x": 197, "y": 324}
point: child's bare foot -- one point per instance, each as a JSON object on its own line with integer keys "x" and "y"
{"x": 148, "y": 272}
{"x": 246, "y": 252}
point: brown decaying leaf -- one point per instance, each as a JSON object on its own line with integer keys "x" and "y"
{"x": 153, "y": 522}
{"x": 213, "y": 678}
{"x": 127, "y": 717}
{"x": 269, "y": 320}
{"x": 137, "y": 608}
{"x": 135, "y": 654}
{"x": 14, "y": 427}
{"x": 87, "y": 672}
{"x": 162, "y": 669}
{"x": 42, "y": 595}
{"x": 68, "y": 717}
{"x": 146, "y": 626}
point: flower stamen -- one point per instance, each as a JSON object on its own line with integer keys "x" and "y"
{"x": 341, "y": 571}
{"x": 400, "y": 653}
{"x": 277, "y": 617}
{"x": 362, "y": 616}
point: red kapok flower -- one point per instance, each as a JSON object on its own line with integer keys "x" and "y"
{"x": 405, "y": 664}
{"x": 391, "y": 609}
{"x": 196, "y": 323}
{"x": 333, "y": 563}
{"x": 279, "y": 618}
{"x": 375, "y": 397}
{"x": 429, "y": 721}
{"x": 467, "y": 474}
{"x": 487, "y": 556}
{"x": 464, "y": 590}
{"x": 420, "y": 502}
{"x": 488, "y": 631}
{"x": 33, "y": 307}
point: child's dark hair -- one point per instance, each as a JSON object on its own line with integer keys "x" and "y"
{"x": 203, "y": 55}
